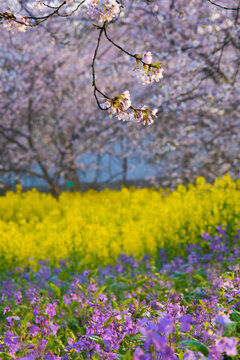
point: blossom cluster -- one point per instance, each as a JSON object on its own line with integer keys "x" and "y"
{"x": 147, "y": 71}
{"x": 145, "y": 115}
{"x": 118, "y": 105}
{"x": 170, "y": 307}
{"x": 103, "y": 10}
{"x": 15, "y": 22}
{"x": 121, "y": 107}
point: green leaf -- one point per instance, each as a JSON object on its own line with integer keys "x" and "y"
{"x": 127, "y": 301}
{"x": 114, "y": 304}
{"x": 102, "y": 288}
{"x": 138, "y": 56}
{"x": 56, "y": 290}
{"x": 108, "y": 322}
{"x": 53, "y": 278}
{"x": 139, "y": 283}
{"x": 199, "y": 278}
{"x": 127, "y": 355}
{"x": 125, "y": 280}
{"x": 96, "y": 338}
{"x": 181, "y": 354}
{"x": 195, "y": 346}
{"x": 72, "y": 325}
{"x": 143, "y": 311}
{"x": 95, "y": 356}
{"x": 96, "y": 25}
{"x": 82, "y": 289}
{"x": 235, "y": 316}
{"x": 156, "y": 64}
{"x": 5, "y": 356}
{"x": 92, "y": 274}
{"x": 230, "y": 328}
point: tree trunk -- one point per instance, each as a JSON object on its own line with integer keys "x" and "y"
{"x": 125, "y": 168}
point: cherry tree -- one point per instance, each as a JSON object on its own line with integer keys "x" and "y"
{"x": 46, "y": 108}
{"x": 41, "y": 125}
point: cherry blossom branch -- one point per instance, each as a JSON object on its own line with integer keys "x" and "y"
{"x": 12, "y": 139}
{"x": 46, "y": 17}
{"x": 135, "y": 56}
{"x": 23, "y": 20}
{"x": 116, "y": 45}
{"x": 145, "y": 69}
{"x": 223, "y": 7}
{"x": 49, "y": 6}
{"x": 24, "y": 171}
{"x": 120, "y": 105}
{"x": 76, "y": 9}
{"x": 96, "y": 90}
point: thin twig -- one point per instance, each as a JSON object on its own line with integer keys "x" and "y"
{"x": 223, "y": 7}
{"x": 93, "y": 72}
{"x": 116, "y": 45}
{"x": 76, "y": 9}
{"x": 123, "y": 50}
{"x": 39, "y": 20}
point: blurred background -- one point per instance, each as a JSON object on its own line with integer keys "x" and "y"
{"x": 54, "y": 137}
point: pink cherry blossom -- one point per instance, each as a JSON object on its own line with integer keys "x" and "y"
{"x": 147, "y": 57}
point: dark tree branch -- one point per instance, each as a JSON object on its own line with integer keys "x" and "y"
{"x": 223, "y": 7}
{"x": 39, "y": 20}
{"x": 96, "y": 90}
{"x": 237, "y": 14}
{"x": 10, "y": 16}
{"x": 12, "y": 140}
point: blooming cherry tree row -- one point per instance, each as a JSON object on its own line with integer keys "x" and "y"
{"x": 103, "y": 11}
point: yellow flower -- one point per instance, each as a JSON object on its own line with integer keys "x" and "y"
{"x": 94, "y": 228}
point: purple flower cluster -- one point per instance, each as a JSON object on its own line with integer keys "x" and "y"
{"x": 184, "y": 308}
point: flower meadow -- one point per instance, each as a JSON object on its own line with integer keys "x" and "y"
{"x": 94, "y": 228}
{"x": 129, "y": 275}
{"x": 155, "y": 308}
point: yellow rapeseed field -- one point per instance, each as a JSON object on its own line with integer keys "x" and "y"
{"x": 95, "y": 227}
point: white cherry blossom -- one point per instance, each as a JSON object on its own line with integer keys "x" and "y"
{"x": 103, "y": 10}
